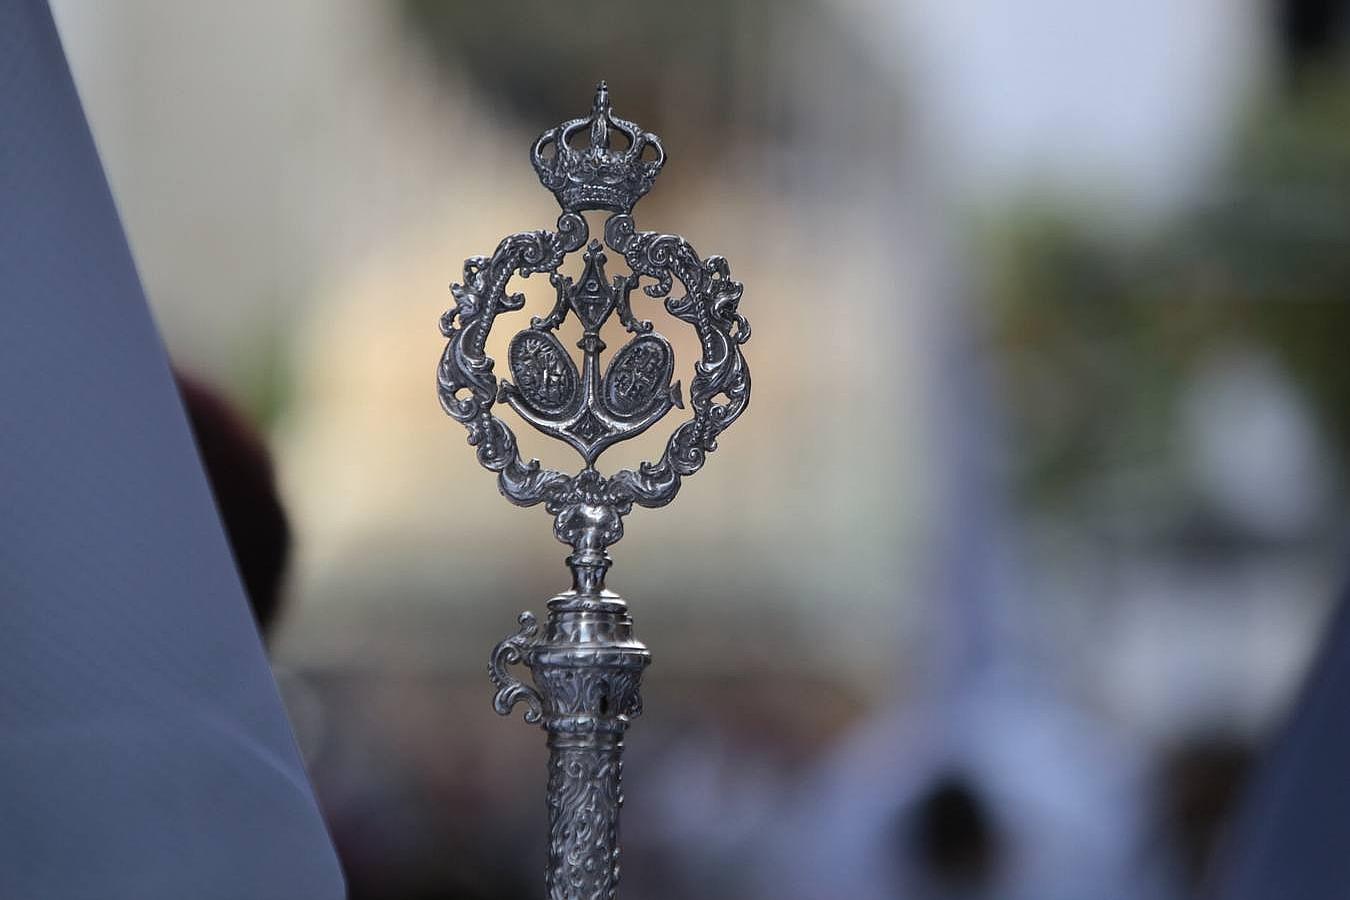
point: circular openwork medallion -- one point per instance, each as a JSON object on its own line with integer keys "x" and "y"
{"x": 593, "y": 409}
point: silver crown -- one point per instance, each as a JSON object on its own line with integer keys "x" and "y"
{"x": 597, "y": 176}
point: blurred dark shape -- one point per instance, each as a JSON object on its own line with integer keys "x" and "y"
{"x": 951, "y": 834}
{"x": 1201, "y": 783}
{"x": 1310, "y": 31}
{"x": 443, "y": 891}
{"x": 1291, "y": 837}
{"x": 239, "y": 469}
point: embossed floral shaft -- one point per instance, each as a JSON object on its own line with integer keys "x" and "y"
{"x": 587, "y": 666}
{"x": 584, "y": 796}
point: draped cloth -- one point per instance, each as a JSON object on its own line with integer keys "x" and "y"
{"x": 144, "y": 751}
{"x": 1291, "y": 838}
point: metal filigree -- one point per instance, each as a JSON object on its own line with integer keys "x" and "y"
{"x": 587, "y": 668}
{"x": 586, "y": 411}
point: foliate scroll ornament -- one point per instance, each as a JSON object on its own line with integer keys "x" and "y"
{"x": 603, "y": 696}
{"x": 510, "y": 689}
{"x": 584, "y": 796}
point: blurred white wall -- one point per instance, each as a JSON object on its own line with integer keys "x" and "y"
{"x": 300, "y": 186}
{"x": 1129, "y": 103}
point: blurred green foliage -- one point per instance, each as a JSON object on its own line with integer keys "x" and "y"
{"x": 1098, "y": 333}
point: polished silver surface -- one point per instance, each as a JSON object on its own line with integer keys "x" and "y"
{"x": 587, "y": 666}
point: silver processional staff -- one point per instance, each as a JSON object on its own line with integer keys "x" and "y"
{"x": 587, "y": 666}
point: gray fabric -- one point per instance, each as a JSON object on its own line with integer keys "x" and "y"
{"x": 144, "y": 752}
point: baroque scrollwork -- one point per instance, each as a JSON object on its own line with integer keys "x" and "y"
{"x": 584, "y": 409}
{"x": 600, "y": 697}
{"x": 585, "y": 794}
{"x": 510, "y": 689}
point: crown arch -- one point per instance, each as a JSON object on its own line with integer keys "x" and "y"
{"x": 598, "y": 175}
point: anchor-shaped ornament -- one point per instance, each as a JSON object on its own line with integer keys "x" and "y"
{"x": 587, "y": 666}
{"x": 589, "y": 412}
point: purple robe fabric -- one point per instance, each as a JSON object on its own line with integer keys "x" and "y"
{"x": 144, "y": 751}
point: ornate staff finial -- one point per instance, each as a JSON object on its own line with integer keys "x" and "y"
{"x": 587, "y": 666}
{"x": 598, "y": 176}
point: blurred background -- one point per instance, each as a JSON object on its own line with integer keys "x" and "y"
{"x": 1028, "y": 536}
